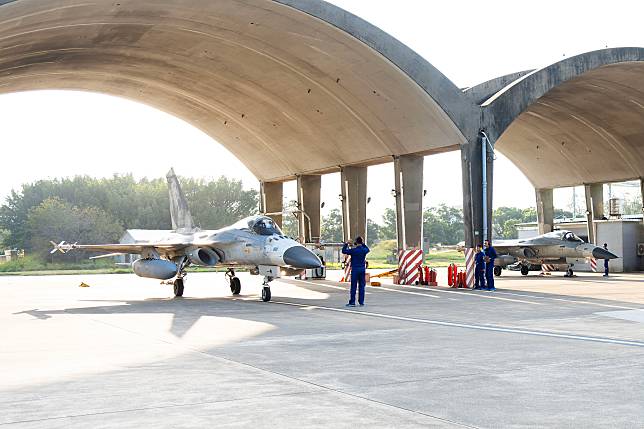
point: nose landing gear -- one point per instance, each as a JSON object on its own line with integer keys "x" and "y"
{"x": 266, "y": 289}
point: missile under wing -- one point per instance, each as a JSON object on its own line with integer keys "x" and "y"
{"x": 256, "y": 243}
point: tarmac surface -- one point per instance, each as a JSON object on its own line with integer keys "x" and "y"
{"x": 539, "y": 352}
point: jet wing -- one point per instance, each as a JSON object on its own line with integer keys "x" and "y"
{"x": 517, "y": 248}
{"x": 506, "y": 246}
{"x": 119, "y": 248}
{"x": 140, "y": 248}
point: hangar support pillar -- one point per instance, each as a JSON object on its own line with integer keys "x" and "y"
{"x": 545, "y": 210}
{"x": 354, "y": 202}
{"x": 642, "y": 193}
{"x": 472, "y": 174}
{"x": 408, "y": 170}
{"x": 308, "y": 202}
{"x": 594, "y": 207}
{"x": 597, "y": 200}
{"x": 271, "y": 196}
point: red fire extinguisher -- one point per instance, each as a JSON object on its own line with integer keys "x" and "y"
{"x": 455, "y": 275}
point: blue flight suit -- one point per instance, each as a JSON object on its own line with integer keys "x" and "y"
{"x": 605, "y": 267}
{"x": 489, "y": 267}
{"x": 479, "y": 270}
{"x": 358, "y": 269}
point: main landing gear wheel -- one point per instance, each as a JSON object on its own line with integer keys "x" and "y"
{"x": 266, "y": 294}
{"x": 525, "y": 270}
{"x": 235, "y": 285}
{"x": 569, "y": 272}
{"x": 178, "y": 287}
{"x": 497, "y": 271}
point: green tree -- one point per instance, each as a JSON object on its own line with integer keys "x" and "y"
{"x": 373, "y": 232}
{"x": 505, "y": 220}
{"x": 215, "y": 204}
{"x": 57, "y": 220}
{"x": 4, "y": 235}
{"x": 443, "y": 225}
{"x": 562, "y": 214}
{"x": 332, "y": 227}
{"x": 632, "y": 205}
{"x": 290, "y": 222}
{"x": 388, "y": 227}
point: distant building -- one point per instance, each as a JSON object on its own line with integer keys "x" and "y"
{"x": 136, "y": 236}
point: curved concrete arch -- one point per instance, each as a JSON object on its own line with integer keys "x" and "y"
{"x": 483, "y": 91}
{"x": 288, "y": 86}
{"x": 575, "y": 122}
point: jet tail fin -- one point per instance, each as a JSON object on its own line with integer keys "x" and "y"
{"x": 179, "y": 212}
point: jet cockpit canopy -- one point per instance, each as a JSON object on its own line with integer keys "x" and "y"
{"x": 564, "y": 236}
{"x": 260, "y": 225}
{"x": 569, "y": 236}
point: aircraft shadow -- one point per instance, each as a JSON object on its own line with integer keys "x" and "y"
{"x": 185, "y": 311}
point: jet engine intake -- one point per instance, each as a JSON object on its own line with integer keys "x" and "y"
{"x": 203, "y": 256}
{"x": 154, "y": 268}
{"x": 529, "y": 252}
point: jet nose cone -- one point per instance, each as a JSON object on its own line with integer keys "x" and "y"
{"x": 301, "y": 257}
{"x": 599, "y": 253}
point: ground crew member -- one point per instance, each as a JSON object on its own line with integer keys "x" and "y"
{"x": 490, "y": 256}
{"x": 358, "y": 268}
{"x": 605, "y": 262}
{"x": 479, "y": 268}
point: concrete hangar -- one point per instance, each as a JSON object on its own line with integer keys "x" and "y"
{"x": 299, "y": 88}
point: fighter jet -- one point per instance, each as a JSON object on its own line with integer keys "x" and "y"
{"x": 551, "y": 248}
{"x": 255, "y": 243}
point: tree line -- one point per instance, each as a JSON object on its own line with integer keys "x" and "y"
{"x": 441, "y": 224}
{"x": 86, "y": 209}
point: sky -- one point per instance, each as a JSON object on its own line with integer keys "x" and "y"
{"x": 50, "y": 134}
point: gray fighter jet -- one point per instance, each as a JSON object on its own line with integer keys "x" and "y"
{"x": 552, "y": 248}
{"x": 255, "y": 243}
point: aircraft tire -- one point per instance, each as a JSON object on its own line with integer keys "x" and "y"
{"x": 235, "y": 285}
{"x": 178, "y": 287}
{"x": 570, "y": 272}
{"x": 525, "y": 270}
{"x": 497, "y": 271}
{"x": 266, "y": 294}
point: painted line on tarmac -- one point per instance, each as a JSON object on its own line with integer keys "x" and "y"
{"x": 574, "y": 301}
{"x": 376, "y": 288}
{"x": 482, "y": 294}
{"x": 508, "y": 330}
{"x": 346, "y": 289}
{"x": 406, "y": 291}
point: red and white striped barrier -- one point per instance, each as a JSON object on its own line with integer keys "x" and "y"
{"x": 409, "y": 262}
{"x": 469, "y": 267}
{"x": 347, "y": 270}
{"x": 546, "y": 268}
{"x": 593, "y": 265}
